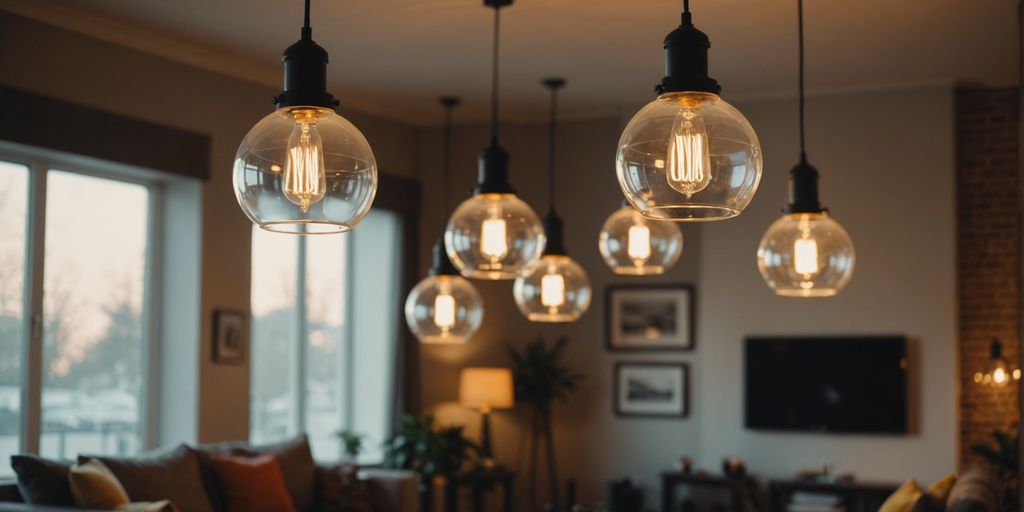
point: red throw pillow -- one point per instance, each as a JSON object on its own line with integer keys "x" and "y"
{"x": 252, "y": 484}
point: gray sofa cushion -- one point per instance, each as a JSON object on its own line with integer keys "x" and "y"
{"x": 172, "y": 475}
{"x": 976, "y": 490}
{"x": 43, "y": 481}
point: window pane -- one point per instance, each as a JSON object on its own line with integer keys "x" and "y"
{"x": 375, "y": 279}
{"x": 273, "y": 405}
{"x": 13, "y": 212}
{"x": 325, "y": 305}
{"x": 93, "y": 289}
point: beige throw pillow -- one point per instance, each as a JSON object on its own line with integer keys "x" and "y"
{"x": 94, "y": 486}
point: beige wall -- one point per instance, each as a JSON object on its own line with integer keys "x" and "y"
{"x": 887, "y": 165}
{"x": 58, "y": 63}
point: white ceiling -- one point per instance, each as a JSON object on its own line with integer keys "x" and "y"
{"x": 395, "y": 57}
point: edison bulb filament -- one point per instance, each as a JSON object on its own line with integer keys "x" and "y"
{"x": 689, "y": 157}
{"x": 305, "y": 179}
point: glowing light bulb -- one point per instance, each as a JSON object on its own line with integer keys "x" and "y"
{"x": 805, "y": 256}
{"x": 493, "y": 242}
{"x": 305, "y": 179}
{"x": 552, "y": 290}
{"x": 444, "y": 312}
{"x": 999, "y": 376}
{"x": 639, "y": 244}
{"x": 689, "y": 157}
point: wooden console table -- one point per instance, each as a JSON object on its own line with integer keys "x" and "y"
{"x": 742, "y": 490}
{"x": 856, "y": 496}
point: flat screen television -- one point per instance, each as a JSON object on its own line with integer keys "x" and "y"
{"x": 828, "y": 384}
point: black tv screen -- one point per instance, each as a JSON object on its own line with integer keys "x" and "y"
{"x": 847, "y": 384}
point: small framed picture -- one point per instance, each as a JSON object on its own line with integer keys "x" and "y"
{"x": 652, "y": 389}
{"x": 229, "y": 336}
{"x": 650, "y": 317}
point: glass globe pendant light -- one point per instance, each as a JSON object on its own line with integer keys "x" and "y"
{"x": 688, "y": 155}
{"x": 554, "y": 288}
{"x": 444, "y": 308}
{"x": 998, "y": 372}
{"x": 806, "y": 253}
{"x": 634, "y": 245}
{"x": 303, "y": 168}
{"x": 494, "y": 234}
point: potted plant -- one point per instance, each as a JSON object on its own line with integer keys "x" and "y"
{"x": 1004, "y": 457}
{"x": 540, "y": 381}
{"x": 434, "y": 453}
{"x": 352, "y": 446}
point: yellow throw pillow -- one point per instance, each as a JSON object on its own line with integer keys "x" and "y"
{"x": 148, "y": 506}
{"x": 94, "y": 486}
{"x": 904, "y": 498}
{"x": 940, "y": 489}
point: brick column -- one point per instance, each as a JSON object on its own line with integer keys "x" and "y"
{"x": 988, "y": 254}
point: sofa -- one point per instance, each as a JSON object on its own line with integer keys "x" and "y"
{"x": 186, "y": 476}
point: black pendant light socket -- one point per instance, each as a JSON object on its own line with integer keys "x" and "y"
{"x": 492, "y": 174}
{"x": 686, "y": 60}
{"x": 305, "y": 73}
{"x": 442, "y": 265}
{"x": 803, "y": 189}
{"x": 554, "y": 232}
{"x": 492, "y": 171}
{"x": 996, "y": 350}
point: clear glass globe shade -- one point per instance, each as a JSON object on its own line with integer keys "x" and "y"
{"x": 553, "y": 289}
{"x": 806, "y": 255}
{"x": 634, "y": 245}
{"x": 444, "y": 310}
{"x": 493, "y": 236}
{"x": 689, "y": 157}
{"x": 305, "y": 170}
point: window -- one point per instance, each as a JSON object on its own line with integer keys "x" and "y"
{"x": 13, "y": 223}
{"x": 325, "y": 312}
{"x": 75, "y": 245}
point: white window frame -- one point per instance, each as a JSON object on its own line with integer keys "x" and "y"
{"x": 346, "y": 359}
{"x": 39, "y": 163}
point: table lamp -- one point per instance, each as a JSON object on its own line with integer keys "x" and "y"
{"x": 486, "y": 389}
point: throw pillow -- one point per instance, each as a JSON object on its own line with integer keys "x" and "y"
{"x": 43, "y": 481}
{"x": 148, "y": 506}
{"x": 940, "y": 489}
{"x": 172, "y": 475}
{"x": 252, "y": 484}
{"x": 94, "y": 486}
{"x": 297, "y": 465}
{"x": 904, "y": 499}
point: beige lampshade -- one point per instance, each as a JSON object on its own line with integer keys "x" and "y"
{"x": 486, "y": 388}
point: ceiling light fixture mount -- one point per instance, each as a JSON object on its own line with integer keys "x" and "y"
{"x": 494, "y": 234}
{"x": 554, "y": 288}
{"x": 688, "y": 155}
{"x": 303, "y": 169}
{"x": 444, "y": 308}
{"x": 806, "y": 253}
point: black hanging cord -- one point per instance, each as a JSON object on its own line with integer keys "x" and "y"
{"x": 800, "y": 24}
{"x": 494, "y": 75}
{"x": 553, "y": 84}
{"x": 449, "y": 103}
{"x": 307, "y": 32}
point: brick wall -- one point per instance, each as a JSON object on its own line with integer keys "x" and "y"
{"x": 988, "y": 253}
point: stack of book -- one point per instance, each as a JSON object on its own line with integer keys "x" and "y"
{"x": 812, "y": 502}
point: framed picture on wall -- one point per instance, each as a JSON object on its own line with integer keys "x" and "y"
{"x": 650, "y": 317}
{"x": 652, "y": 389}
{"x": 229, "y": 336}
